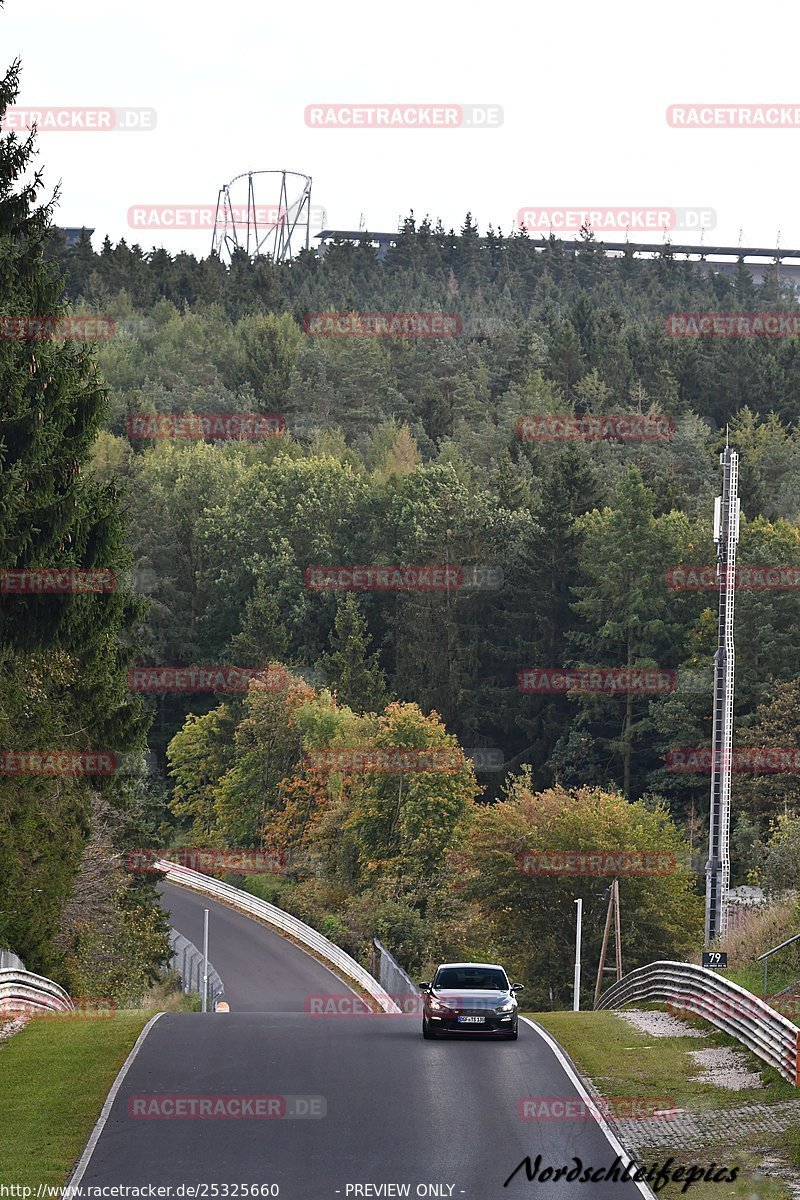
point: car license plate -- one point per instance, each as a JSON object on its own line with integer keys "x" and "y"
{"x": 471, "y": 1020}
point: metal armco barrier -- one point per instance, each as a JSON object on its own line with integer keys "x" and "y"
{"x": 22, "y": 991}
{"x": 263, "y": 911}
{"x": 732, "y": 1009}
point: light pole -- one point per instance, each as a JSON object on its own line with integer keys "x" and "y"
{"x": 205, "y": 959}
{"x": 576, "y": 987}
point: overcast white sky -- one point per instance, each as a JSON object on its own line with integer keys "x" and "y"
{"x": 584, "y": 91}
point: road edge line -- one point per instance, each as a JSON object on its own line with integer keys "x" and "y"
{"x": 94, "y": 1137}
{"x": 569, "y": 1068}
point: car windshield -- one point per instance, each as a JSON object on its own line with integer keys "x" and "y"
{"x": 471, "y": 977}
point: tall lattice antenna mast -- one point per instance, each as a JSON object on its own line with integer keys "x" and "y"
{"x": 726, "y": 535}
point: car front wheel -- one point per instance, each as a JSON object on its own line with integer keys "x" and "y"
{"x": 427, "y": 1032}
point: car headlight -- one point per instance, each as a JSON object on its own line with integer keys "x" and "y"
{"x": 508, "y": 1007}
{"x": 438, "y": 1006}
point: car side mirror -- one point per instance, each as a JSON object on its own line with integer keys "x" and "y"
{"x": 424, "y": 987}
{"x": 518, "y": 987}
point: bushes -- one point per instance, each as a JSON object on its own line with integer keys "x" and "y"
{"x": 529, "y": 910}
{"x": 766, "y": 927}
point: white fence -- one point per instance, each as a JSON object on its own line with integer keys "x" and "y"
{"x": 263, "y": 911}
{"x": 703, "y": 993}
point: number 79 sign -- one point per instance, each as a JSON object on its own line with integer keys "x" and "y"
{"x": 716, "y": 959}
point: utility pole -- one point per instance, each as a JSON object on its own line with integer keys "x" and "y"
{"x": 726, "y": 535}
{"x": 613, "y": 910}
{"x": 617, "y": 931}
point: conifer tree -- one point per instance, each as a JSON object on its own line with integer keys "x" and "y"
{"x": 62, "y": 660}
{"x": 353, "y": 671}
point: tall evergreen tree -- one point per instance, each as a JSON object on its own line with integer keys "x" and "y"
{"x": 631, "y": 620}
{"x": 538, "y": 593}
{"x": 352, "y": 670}
{"x": 62, "y": 662}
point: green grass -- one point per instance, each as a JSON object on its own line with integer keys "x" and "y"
{"x": 751, "y": 976}
{"x": 608, "y": 1048}
{"x": 54, "y": 1077}
{"x": 624, "y": 1062}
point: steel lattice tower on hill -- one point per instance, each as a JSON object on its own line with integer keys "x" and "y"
{"x": 726, "y": 535}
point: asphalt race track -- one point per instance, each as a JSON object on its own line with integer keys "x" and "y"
{"x": 362, "y": 1107}
{"x": 261, "y": 971}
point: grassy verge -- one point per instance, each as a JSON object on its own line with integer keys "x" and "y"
{"x": 751, "y": 976}
{"x": 54, "y": 1077}
{"x": 626, "y": 1063}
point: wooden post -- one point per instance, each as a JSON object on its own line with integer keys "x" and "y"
{"x": 617, "y": 928}
{"x": 613, "y": 910}
{"x": 603, "y": 950}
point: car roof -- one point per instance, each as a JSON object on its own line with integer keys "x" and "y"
{"x": 496, "y": 966}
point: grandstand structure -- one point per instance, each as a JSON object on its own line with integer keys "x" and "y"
{"x": 722, "y": 259}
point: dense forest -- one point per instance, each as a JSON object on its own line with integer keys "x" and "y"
{"x": 390, "y": 451}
